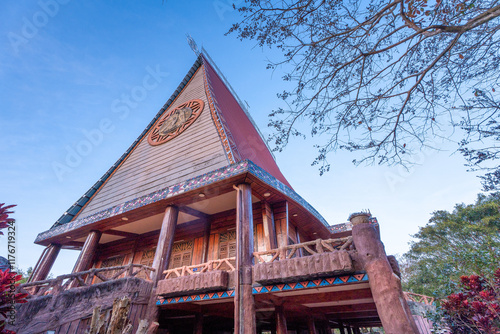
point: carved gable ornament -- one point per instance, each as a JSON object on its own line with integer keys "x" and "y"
{"x": 175, "y": 122}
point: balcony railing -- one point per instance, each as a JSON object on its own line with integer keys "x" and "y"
{"x": 83, "y": 278}
{"x": 221, "y": 264}
{"x": 303, "y": 249}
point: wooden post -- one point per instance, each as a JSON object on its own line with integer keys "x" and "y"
{"x": 280, "y": 319}
{"x": 198, "y": 324}
{"x": 46, "y": 261}
{"x": 244, "y": 305}
{"x": 165, "y": 242}
{"x": 88, "y": 252}
{"x": 87, "y": 255}
{"x": 386, "y": 288}
{"x": 268, "y": 224}
{"x": 341, "y": 328}
{"x": 280, "y": 211}
{"x": 311, "y": 325}
{"x": 349, "y": 329}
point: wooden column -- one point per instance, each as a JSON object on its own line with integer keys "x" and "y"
{"x": 165, "y": 242}
{"x": 311, "y": 326}
{"x": 280, "y": 211}
{"x": 280, "y": 319}
{"x": 341, "y": 328}
{"x": 268, "y": 224}
{"x": 198, "y": 324}
{"x": 349, "y": 329}
{"x": 244, "y": 305}
{"x": 88, "y": 252}
{"x": 206, "y": 240}
{"x": 386, "y": 288}
{"x": 45, "y": 263}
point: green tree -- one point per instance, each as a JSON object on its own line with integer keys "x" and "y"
{"x": 384, "y": 78}
{"x": 465, "y": 241}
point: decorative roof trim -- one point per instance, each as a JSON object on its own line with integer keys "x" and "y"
{"x": 245, "y": 166}
{"x": 220, "y": 124}
{"x": 78, "y": 206}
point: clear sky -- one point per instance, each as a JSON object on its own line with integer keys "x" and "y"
{"x": 66, "y": 66}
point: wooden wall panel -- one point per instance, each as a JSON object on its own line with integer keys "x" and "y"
{"x": 148, "y": 168}
{"x": 198, "y": 251}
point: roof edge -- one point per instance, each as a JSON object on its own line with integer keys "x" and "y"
{"x": 245, "y": 166}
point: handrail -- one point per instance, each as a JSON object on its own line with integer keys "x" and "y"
{"x": 199, "y": 268}
{"x": 415, "y": 297}
{"x": 317, "y": 246}
{"x": 82, "y": 278}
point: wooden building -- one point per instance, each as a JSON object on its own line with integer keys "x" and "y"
{"x": 198, "y": 226}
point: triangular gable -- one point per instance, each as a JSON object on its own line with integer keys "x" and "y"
{"x": 221, "y": 135}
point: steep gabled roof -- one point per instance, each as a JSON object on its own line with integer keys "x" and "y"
{"x": 239, "y": 137}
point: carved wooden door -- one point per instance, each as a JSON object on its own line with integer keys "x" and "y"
{"x": 182, "y": 253}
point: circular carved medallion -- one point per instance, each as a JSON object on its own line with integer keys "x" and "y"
{"x": 175, "y": 122}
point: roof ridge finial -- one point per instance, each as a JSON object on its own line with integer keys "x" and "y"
{"x": 192, "y": 44}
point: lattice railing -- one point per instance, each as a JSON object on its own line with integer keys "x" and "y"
{"x": 414, "y": 297}
{"x": 221, "y": 264}
{"x": 83, "y": 278}
{"x": 303, "y": 249}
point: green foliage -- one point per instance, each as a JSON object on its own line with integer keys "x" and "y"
{"x": 465, "y": 241}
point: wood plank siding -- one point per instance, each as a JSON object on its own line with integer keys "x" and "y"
{"x": 149, "y": 168}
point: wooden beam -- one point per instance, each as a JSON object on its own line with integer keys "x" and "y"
{"x": 121, "y": 233}
{"x": 244, "y": 303}
{"x": 194, "y": 212}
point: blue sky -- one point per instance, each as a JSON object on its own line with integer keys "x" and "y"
{"x": 66, "y": 66}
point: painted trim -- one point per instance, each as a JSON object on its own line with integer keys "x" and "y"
{"x": 262, "y": 289}
{"x": 245, "y": 166}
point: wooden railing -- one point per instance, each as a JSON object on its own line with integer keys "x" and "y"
{"x": 303, "y": 249}
{"x": 414, "y": 297}
{"x": 83, "y": 278}
{"x": 200, "y": 268}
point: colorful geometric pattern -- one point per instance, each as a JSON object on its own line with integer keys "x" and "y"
{"x": 245, "y": 166}
{"x": 260, "y": 289}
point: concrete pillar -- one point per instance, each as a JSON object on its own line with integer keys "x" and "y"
{"x": 385, "y": 285}
{"x": 244, "y": 304}
{"x": 45, "y": 263}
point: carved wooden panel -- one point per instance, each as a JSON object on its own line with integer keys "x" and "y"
{"x": 113, "y": 261}
{"x": 175, "y": 122}
{"x": 147, "y": 260}
{"x": 227, "y": 247}
{"x": 182, "y": 253}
